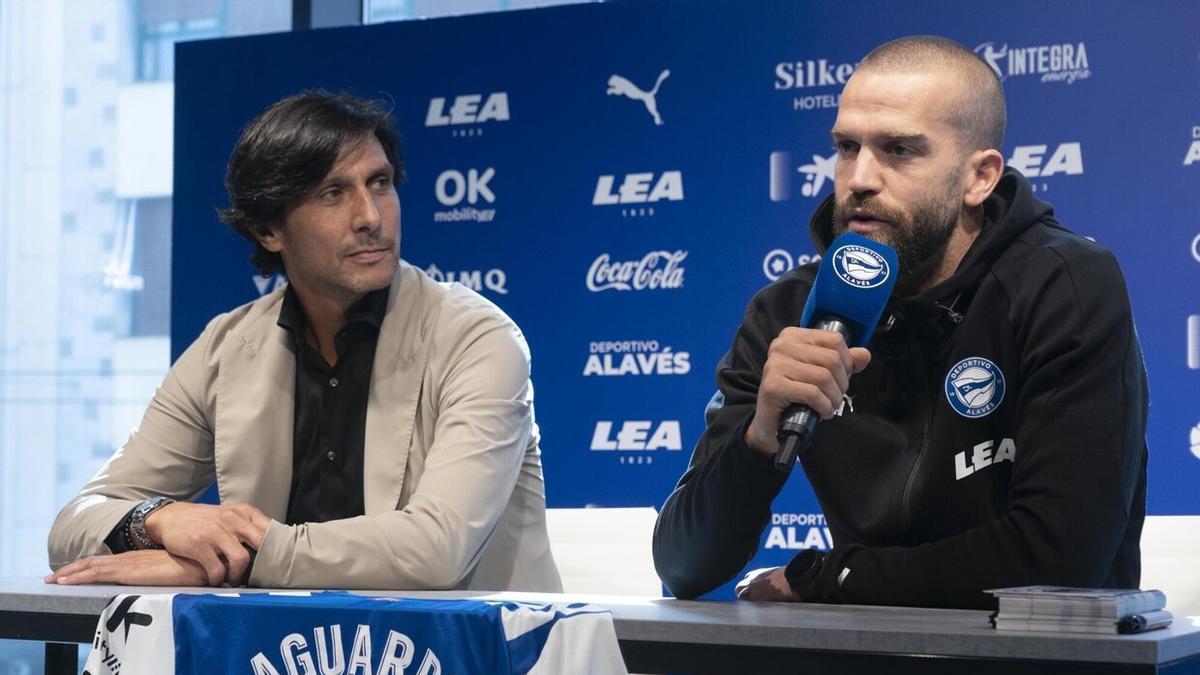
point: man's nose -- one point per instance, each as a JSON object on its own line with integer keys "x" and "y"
{"x": 366, "y": 212}
{"x": 864, "y": 175}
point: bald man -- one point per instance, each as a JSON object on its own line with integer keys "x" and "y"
{"x": 991, "y": 434}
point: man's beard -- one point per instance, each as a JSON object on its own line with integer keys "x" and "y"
{"x": 919, "y": 236}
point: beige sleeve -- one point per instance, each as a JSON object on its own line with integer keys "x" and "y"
{"x": 433, "y": 542}
{"x": 170, "y": 453}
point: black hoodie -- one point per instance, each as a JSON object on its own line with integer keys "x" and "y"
{"x": 997, "y": 437}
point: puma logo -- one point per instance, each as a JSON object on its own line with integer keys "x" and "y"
{"x": 621, "y": 86}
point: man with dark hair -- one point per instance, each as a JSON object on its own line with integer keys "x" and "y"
{"x": 993, "y": 431}
{"x": 365, "y": 426}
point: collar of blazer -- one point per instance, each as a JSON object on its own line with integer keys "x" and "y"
{"x": 255, "y": 407}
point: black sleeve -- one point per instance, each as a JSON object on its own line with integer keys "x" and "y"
{"x": 118, "y": 538}
{"x": 709, "y": 527}
{"x": 1079, "y": 470}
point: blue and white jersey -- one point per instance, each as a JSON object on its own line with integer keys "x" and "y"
{"x": 336, "y": 633}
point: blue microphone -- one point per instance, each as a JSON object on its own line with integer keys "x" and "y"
{"x": 852, "y": 287}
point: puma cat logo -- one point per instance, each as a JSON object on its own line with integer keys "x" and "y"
{"x": 621, "y": 86}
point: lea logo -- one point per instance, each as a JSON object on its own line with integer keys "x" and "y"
{"x": 1032, "y": 160}
{"x": 637, "y": 435}
{"x": 982, "y": 457}
{"x": 468, "y": 109}
{"x": 639, "y": 188}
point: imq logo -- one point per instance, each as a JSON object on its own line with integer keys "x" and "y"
{"x": 467, "y": 109}
{"x": 1193, "y": 152}
{"x": 817, "y": 174}
{"x": 1065, "y": 62}
{"x": 494, "y": 280}
{"x": 453, "y": 187}
{"x": 639, "y": 190}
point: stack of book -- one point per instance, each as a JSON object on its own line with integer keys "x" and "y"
{"x": 1061, "y": 609}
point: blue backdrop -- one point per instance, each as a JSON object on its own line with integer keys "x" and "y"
{"x": 622, "y": 177}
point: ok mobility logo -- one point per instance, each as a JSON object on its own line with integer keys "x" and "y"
{"x": 1065, "y": 62}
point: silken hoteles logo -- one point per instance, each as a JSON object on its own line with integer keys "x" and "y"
{"x": 795, "y": 531}
{"x": 1044, "y": 161}
{"x": 453, "y": 187}
{"x": 1192, "y": 156}
{"x": 637, "y": 193}
{"x": 778, "y": 261}
{"x": 653, "y": 271}
{"x": 494, "y": 280}
{"x": 609, "y": 358}
{"x": 619, "y": 85}
{"x": 636, "y": 436}
{"x": 816, "y": 84}
{"x": 974, "y": 387}
{"x": 466, "y": 114}
{"x": 1066, "y": 62}
{"x": 817, "y": 174}
{"x": 1193, "y": 341}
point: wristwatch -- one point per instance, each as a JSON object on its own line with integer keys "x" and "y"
{"x": 137, "y": 521}
{"x": 801, "y": 573}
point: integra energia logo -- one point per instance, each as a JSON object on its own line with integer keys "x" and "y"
{"x": 1065, "y": 62}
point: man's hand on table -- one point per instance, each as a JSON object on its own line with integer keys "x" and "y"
{"x": 133, "y": 568}
{"x": 211, "y": 536}
{"x": 767, "y": 584}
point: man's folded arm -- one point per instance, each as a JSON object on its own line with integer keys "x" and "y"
{"x": 481, "y": 435}
{"x": 168, "y": 454}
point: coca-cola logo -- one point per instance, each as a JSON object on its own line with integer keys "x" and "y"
{"x": 657, "y": 269}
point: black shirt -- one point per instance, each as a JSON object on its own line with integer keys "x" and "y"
{"x": 331, "y": 412}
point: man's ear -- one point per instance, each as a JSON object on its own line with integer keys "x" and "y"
{"x": 984, "y": 168}
{"x": 269, "y": 237}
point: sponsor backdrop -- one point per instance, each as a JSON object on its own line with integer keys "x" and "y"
{"x": 621, "y": 178}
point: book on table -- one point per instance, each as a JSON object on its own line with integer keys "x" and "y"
{"x": 1064, "y": 609}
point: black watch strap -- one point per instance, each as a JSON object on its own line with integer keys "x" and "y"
{"x": 802, "y": 572}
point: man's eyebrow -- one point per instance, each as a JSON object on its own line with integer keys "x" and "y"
{"x": 890, "y": 136}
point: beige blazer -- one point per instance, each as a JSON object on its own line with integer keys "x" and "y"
{"x": 452, "y": 477}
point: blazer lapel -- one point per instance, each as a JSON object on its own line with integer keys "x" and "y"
{"x": 396, "y": 379}
{"x": 255, "y": 409}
